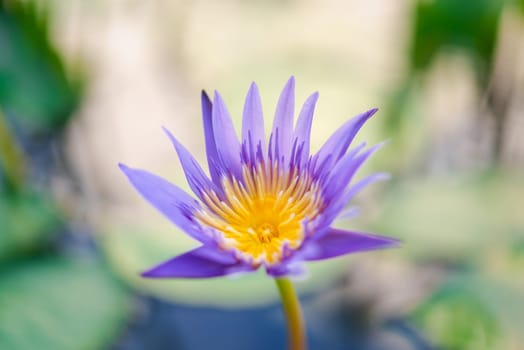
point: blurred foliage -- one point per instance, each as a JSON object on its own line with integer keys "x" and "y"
{"x": 28, "y": 221}
{"x": 12, "y": 161}
{"x": 46, "y": 300}
{"x": 471, "y": 26}
{"x": 473, "y": 226}
{"x": 454, "y": 218}
{"x": 457, "y": 319}
{"x": 441, "y": 26}
{"x": 59, "y": 304}
{"x": 471, "y": 311}
{"x": 34, "y": 84}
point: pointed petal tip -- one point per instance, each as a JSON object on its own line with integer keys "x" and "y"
{"x": 382, "y": 176}
{"x": 312, "y": 99}
{"x": 372, "y": 111}
{"x": 170, "y": 135}
{"x": 253, "y": 92}
{"x": 148, "y": 274}
{"x": 337, "y": 242}
{"x": 218, "y": 101}
{"x": 206, "y": 103}
{"x": 291, "y": 82}
{"x": 396, "y": 243}
{"x": 376, "y": 147}
{"x": 384, "y": 242}
{"x": 364, "y": 116}
{"x": 173, "y": 140}
{"x": 154, "y": 273}
{"x": 385, "y": 142}
{"x": 123, "y": 167}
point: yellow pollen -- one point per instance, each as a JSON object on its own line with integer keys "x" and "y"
{"x": 266, "y": 232}
{"x": 264, "y": 212}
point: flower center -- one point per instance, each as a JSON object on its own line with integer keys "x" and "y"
{"x": 266, "y": 232}
{"x": 263, "y": 212}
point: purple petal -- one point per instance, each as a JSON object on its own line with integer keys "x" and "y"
{"x": 211, "y": 148}
{"x": 339, "y": 242}
{"x": 283, "y": 121}
{"x": 253, "y": 119}
{"x": 336, "y": 207}
{"x": 202, "y": 262}
{"x": 167, "y": 198}
{"x": 348, "y": 213}
{"x": 291, "y": 269}
{"x": 228, "y": 147}
{"x": 368, "y": 180}
{"x": 343, "y": 172}
{"x": 197, "y": 179}
{"x": 337, "y": 145}
{"x": 303, "y": 127}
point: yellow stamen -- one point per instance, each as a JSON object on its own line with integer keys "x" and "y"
{"x": 264, "y": 212}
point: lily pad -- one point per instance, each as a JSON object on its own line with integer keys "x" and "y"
{"x": 27, "y": 221}
{"x": 57, "y": 304}
{"x": 473, "y": 311}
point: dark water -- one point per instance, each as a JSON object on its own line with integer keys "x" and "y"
{"x": 173, "y": 326}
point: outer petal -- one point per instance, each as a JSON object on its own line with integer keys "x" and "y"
{"x": 202, "y": 262}
{"x": 167, "y": 198}
{"x": 291, "y": 269}
{"x": 337, "y": 145}
{"x": 197, "y": 179}
{"x": 211, "y": 148}
{"x": 340, "y": 176}
{"x": 335, "y": 209}
{"x": 303, "y": 127}
{"x": 339, "y": 242}
{"x": 253, "y": 119}
{"x": 283, "y": 121}
{"x": 368, "y": 180}
{"x": 228, "y": 147}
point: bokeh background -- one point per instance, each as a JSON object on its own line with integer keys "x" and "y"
{"x": 87, "y": 84}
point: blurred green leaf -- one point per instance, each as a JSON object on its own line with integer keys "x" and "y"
{"x": 456, "y": 318}
{"x": 469, "y": 25}
{"x": 27, "y": 221}
{"x": 471, "y": 311}
{"x": 518, "y": 247}
{"x": 34, "y": 85}
{"x": 521, "y": 6}
{"x": 58, "y": 304}
{"x": 454, "y": 218}
{"x": 12, "y": 159}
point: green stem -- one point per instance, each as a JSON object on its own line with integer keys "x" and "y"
{"x": 293, "y": 313}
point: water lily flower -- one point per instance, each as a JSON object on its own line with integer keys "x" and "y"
{"x": 267, "y": 202}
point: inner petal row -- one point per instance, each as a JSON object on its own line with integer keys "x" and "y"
{"x": 263, "y": 212}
